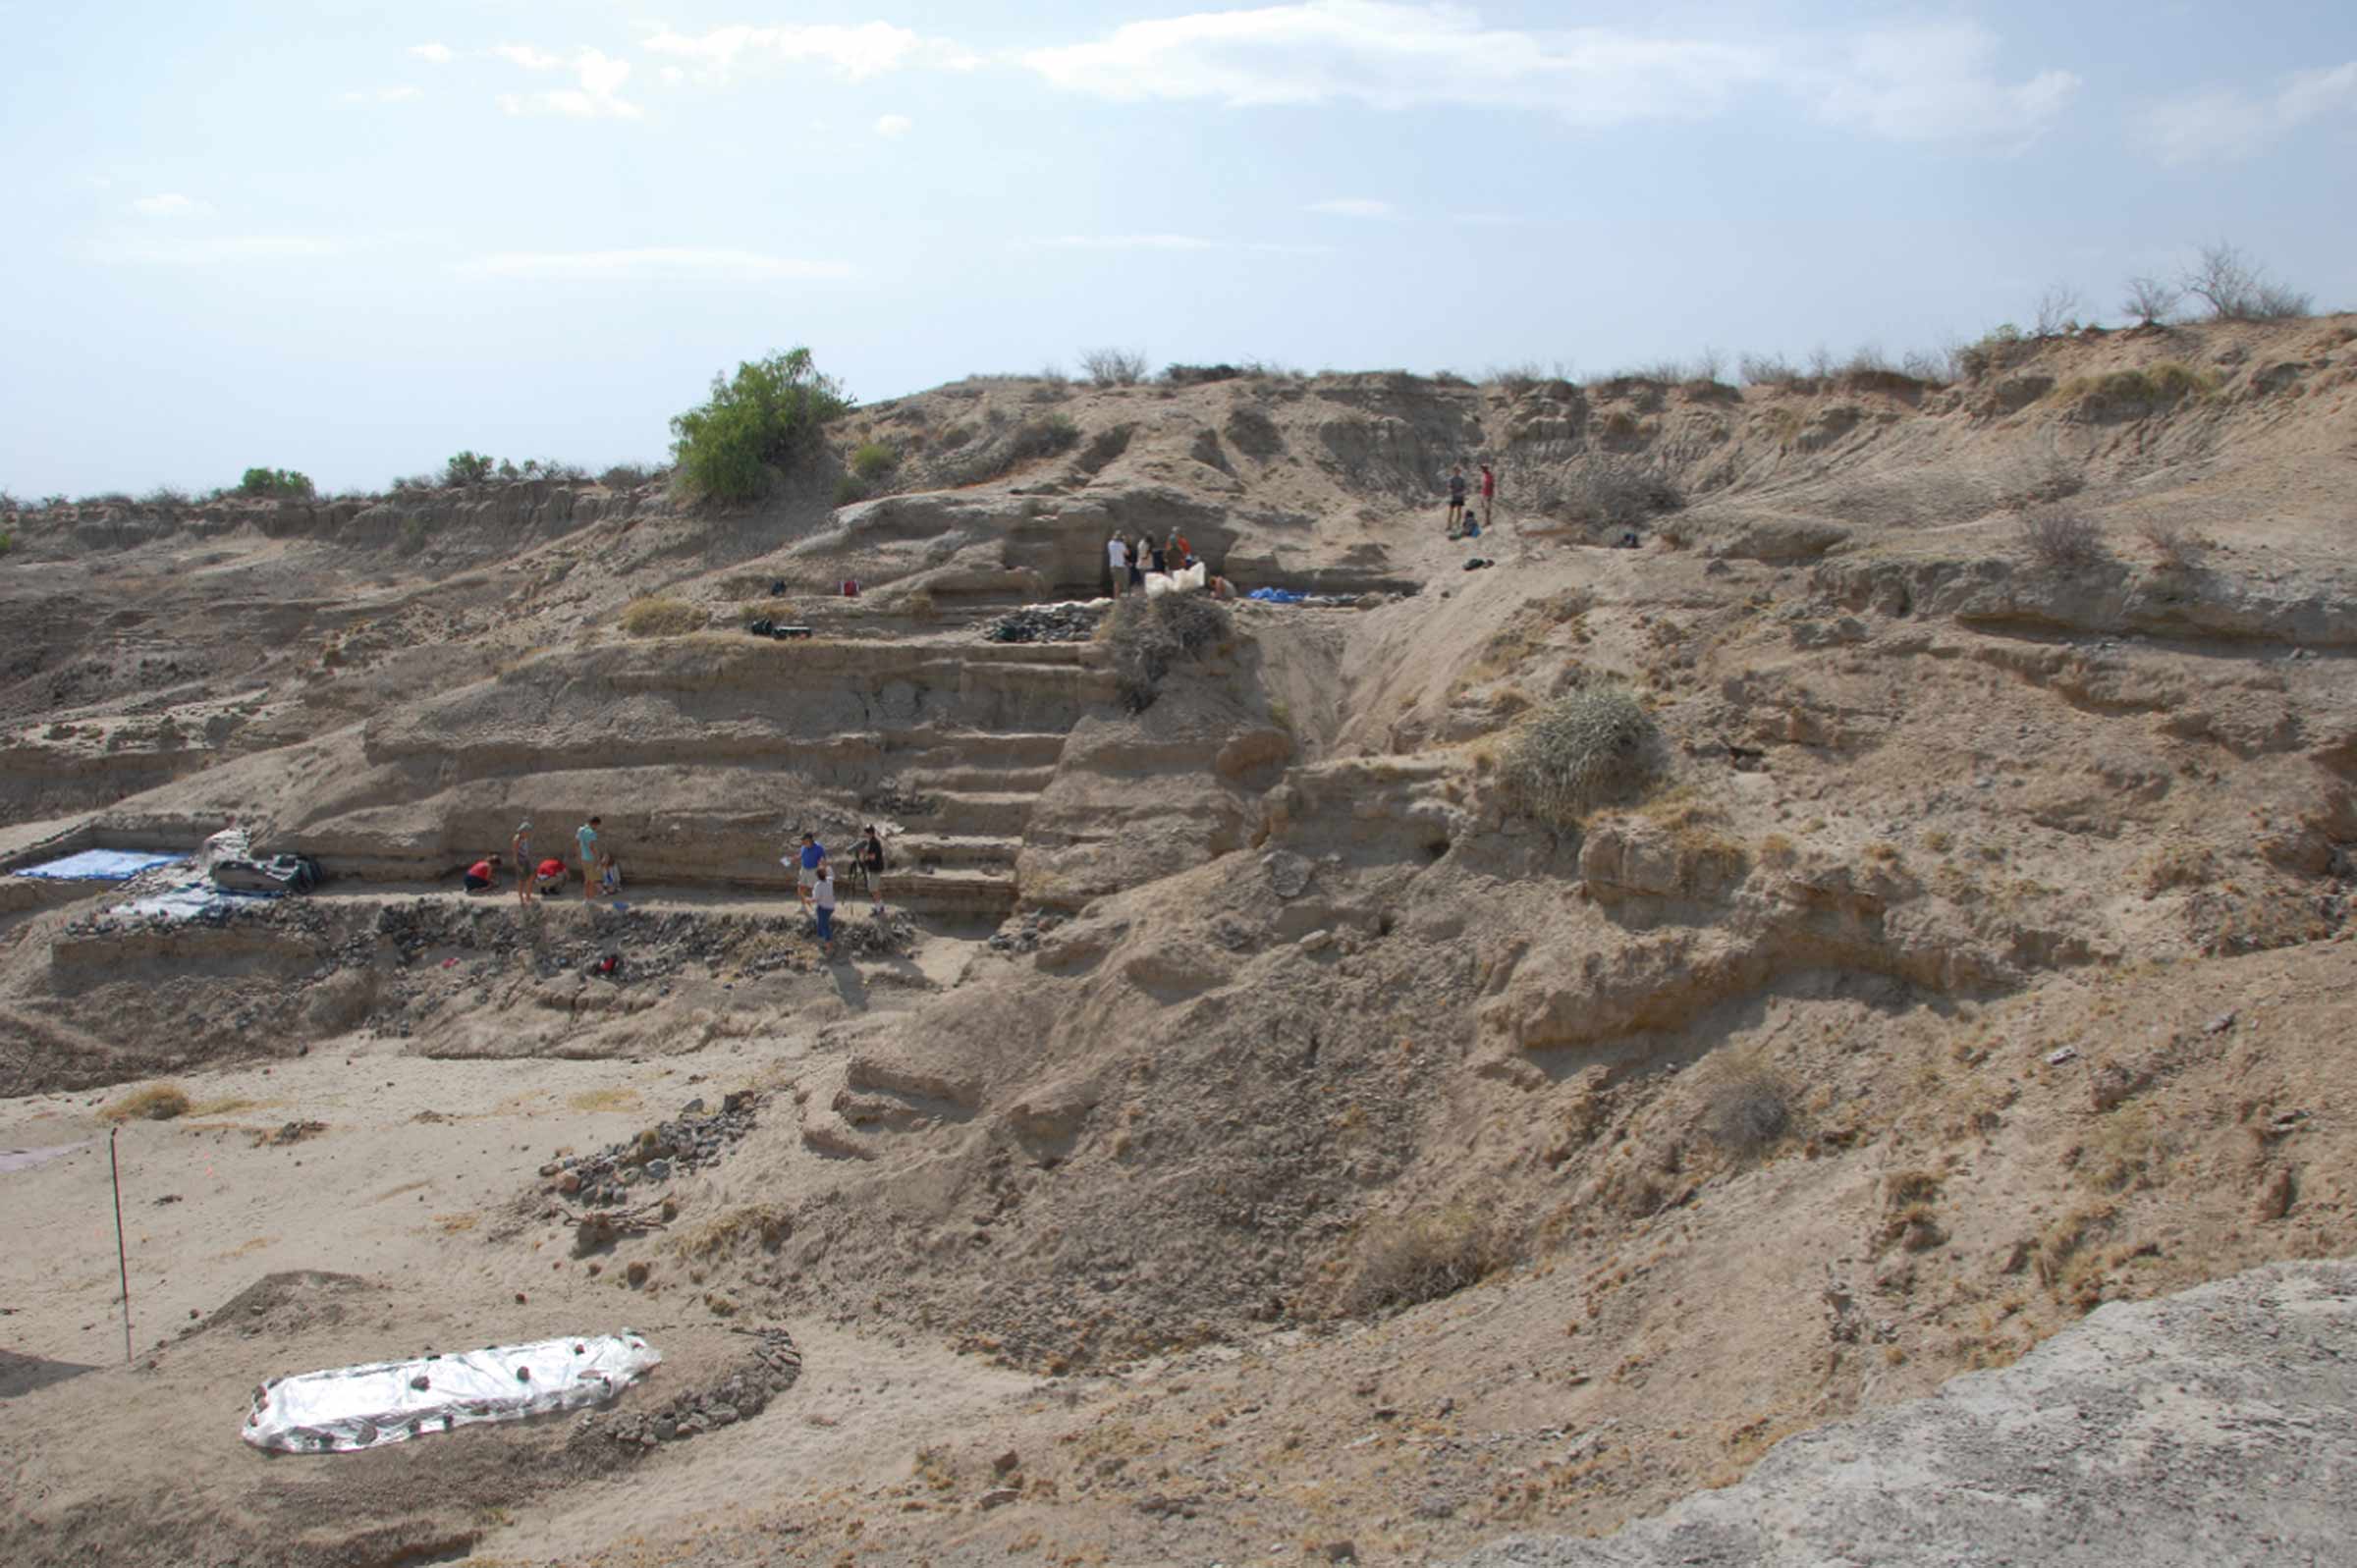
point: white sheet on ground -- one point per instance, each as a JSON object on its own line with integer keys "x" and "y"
{"x": 350, "y": 1408}
{"x": 1189, "y": 581}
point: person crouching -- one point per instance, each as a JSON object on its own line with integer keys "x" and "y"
{"x": 482, "y": 874}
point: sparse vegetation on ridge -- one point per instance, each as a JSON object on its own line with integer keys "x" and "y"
{"x": 762, "y": 421}
{"x": 658, "y": 617}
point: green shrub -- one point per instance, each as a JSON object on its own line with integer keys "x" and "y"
{"x": 662, "y": 618}
{"x": 769, "y": 416}
{"x": 278, "y": 484}
{"x": 1042, "y": 438}
{"x": 873, "y": 460}
{"x": 1409, "y": 1259}
{"x": 1151, "y": 633}
{"x": 849, "y": 490}
{"x": 468, "y": 468}
{"x": 1580, "y": 752}
{"x": 8, "y": 542}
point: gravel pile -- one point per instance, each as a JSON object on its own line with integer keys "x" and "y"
{"x": 693, "y": 1139}
{"x": 1021, "y": 934}
{"x": 774, "y": 1366}
{"x": 1065, "y": 623}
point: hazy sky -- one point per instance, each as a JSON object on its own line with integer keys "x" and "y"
{"x": 354, "y": 238}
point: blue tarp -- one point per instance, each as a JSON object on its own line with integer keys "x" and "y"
{"x": 1276, "y": 596}
{"x": 102, "y": 865}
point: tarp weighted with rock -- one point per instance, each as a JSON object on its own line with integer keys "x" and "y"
{"x": 345, "y": 1409}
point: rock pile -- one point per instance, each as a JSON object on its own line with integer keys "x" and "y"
{"x": 774, "y": 1366}
{"x": 696, "y": 1137}
{"x": 1064, "y": 622}
{"x": 1022, "y": 933}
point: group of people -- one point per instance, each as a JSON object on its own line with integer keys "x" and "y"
{"x": 1460, "y": 524}
{"x": 1129, "y": 557}
{"x": 814, "y": 872}
{"x": 814, "y": 880}
{"x": 601, "y": 875}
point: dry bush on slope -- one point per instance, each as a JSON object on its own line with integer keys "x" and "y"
{"x": 1406, "y": 1259}
{"x": 1746, "y": 1106}
{"x": 1579, "y": 752}
{"x": 156, "y": 1102}
{"x": 1151, "y": 633}
{"x": 662, "y": 618}
{"x": 2062, "y": 541}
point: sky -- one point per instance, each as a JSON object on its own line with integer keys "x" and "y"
{"x": 354, "y": 238}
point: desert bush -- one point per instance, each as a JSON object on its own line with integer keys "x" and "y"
{"x": 1581, "y": 751}
{"x": 873, "y": 460}
{"x": 1615, "y": 491}
{"x": 2151, "y": 301}
{"x": 1992, "y": 351}
{"x": 849, "y": 490}
{"x": 2058, "y": 311}
{"x": 2237, "y": 289}
{"x": 1114, "y": 367}
{"x": 552, "y": 468}
{"x": 1767, "y": 370}
{"x": 1200, "y": 376}
{"x": 278, "y": 484}
{"x": 403, "y": 484}
{"x": 167, "y": 496}
{"x": 468, "y": 468}
{"x": 1151, "y": 633}
{"x": 629, "y": 476}
{"x": 2062, "y": 540}
{"x": 657, "y": 617}
{"x": 1042, "y": 438}
{"x": 2174, "y": 547}
{"x": 1746, "y": 1106}
{"x": 1404, "y": 1260}
{"x": 765, "y": 418}
{"x": 159, "y": 1101}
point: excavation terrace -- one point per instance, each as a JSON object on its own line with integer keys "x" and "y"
{"x": 1838, "y": 882}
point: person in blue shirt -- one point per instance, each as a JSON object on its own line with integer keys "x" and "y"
{"x": 814, "y": 856}
{"x": 586, "y": 834}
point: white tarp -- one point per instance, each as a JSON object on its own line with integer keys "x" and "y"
{"x": 351, "y": 1408}
{"x": 1190, "y": 581}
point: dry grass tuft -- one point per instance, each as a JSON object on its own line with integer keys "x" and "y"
{"x": 159, "y": 1101}
{"x": 1581, "y": 751}
{"x": 2174, "y": 547}
{"x": 767, "y": 1224}
{"x": 1746, "y": 1104}
{"x": 1404, "y": 1260}
{"x": 662, "y": 618}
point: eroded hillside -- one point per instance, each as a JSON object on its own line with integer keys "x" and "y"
{"x": 1974, "y": 950}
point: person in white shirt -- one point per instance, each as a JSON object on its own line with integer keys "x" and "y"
{"x": 1116, "y": 556}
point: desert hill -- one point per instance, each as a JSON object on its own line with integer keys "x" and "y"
{"x": 1261, "y": 1119}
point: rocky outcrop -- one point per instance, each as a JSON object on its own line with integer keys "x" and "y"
{"x": 2214, "y": 1428}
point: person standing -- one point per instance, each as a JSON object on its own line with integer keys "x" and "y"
{"x": 586, "y": 836}
{"x": 812, "y": 865}
{"x": 521, "y": 846}
{"x": 1456, "y": 501}
{"x": 1489, "y": 496}
{"x": 870, "y": 859}
{"x": 1117, "y": 561}
{"x": 822, "y": 907}
{"x": 1138, "y": 561}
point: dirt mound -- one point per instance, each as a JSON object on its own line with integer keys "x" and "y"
{"x": 284, "y": 1306}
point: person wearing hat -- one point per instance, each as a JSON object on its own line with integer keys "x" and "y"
{"x": 521, "y": 847}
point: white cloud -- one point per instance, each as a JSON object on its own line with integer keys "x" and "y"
{"x": 170, "y": 204}
{"x": 1913, "y": 81}
{"x": 673, "y": 76}
{"x": 893, "y": 125}
{"x": 217, "y": 252}
{"x": 1352, "y": 207}
{"x": 857, "y": 52}
{"x": 525, "y": 55}
{"x": 651, "y": 262}
{"x": 1166, "y": 242}
{"x": 597, "y": 95}
{"x": 381, "y": 95}
{"x": 438, "y": 53}
{"x": 2226, "y": 123}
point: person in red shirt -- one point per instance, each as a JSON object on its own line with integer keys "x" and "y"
{"x": 551, "y": 872}
{"x": 1489, "y": 496}
{"x": 479, "y": 876}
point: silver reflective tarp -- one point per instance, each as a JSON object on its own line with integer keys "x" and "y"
{"x": 351, "y": 1408}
